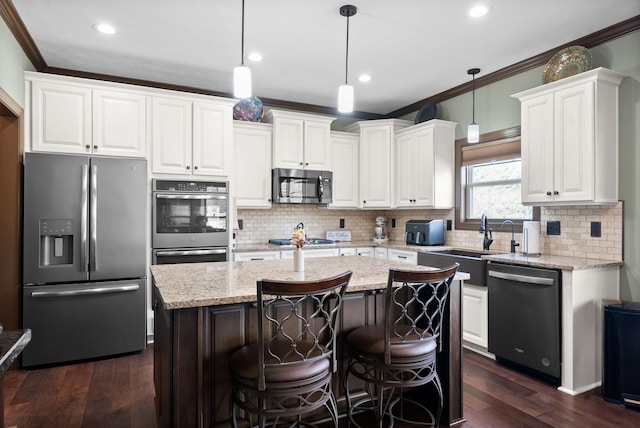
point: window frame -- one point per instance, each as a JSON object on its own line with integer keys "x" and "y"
{"x": 463, "y": 223}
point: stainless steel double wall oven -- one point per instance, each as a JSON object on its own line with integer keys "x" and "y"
{"x": 190, "y": 221}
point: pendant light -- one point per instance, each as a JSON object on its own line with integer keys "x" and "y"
{"x": 473, "y": 131}
{"x": 345, "y": 92}
{"x": 242, "y": 73}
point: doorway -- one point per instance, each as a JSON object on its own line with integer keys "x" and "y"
{"x": 11, "y": 150}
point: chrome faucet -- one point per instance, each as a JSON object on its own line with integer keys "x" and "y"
{"x": 514, "y": 244}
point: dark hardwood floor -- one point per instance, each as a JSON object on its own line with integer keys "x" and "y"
{"x": 119, "y": 393}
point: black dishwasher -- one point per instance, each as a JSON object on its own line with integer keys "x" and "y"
{"x": 524, "y": 317}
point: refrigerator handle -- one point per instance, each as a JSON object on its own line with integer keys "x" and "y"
{"x": 84, "y": 208}
{"x": 93, "y": 219}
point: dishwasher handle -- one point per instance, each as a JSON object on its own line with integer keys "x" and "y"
{"x": 521, "y": 278}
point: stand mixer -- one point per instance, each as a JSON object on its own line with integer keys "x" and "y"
{"x": 380, "y": 230}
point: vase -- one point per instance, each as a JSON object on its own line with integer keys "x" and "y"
{"x": 298, "y": 260}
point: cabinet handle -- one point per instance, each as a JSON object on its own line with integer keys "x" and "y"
{"x": 402, "y": 257}
{"x": 195, "y": 167}
{"x": 307, "y": 163}
{"x": 555, "y": 192}
{"x": 95, "y": 147}
{"x": 87, "y": 147}
{"x": 300, "y": 163}
{"x": 188, "y": 167}
{"x": 548, "y": 193}
{"x": 364, "y": 202}
{"x": 257, "y": 258}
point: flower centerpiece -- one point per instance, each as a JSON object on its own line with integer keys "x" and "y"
{"x": 297, "y": 239}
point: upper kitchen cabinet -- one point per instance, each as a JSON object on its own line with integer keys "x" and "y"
{"x": 376, "y": 157}
{"x": 424, "y": 156}
{"x": 570, "y": 140}
{"x": 344, "y": 165}
{"x": 70, "y": 115}
{"x": 191, "y": 136}
{"x": 300, "y": 140}
{"x": 252, "y": 164}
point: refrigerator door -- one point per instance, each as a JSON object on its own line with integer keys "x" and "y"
{"x": 55, "y": 245}
{"x": 117, "y": 218}
{"x": 78, "y": 321}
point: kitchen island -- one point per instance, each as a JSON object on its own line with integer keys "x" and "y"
{"x": 11, "y": 345}
{"x": 205, "y": 311}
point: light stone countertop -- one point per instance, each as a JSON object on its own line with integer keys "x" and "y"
{"x": 192, "y": 285}
{"x": 552, "y": 262}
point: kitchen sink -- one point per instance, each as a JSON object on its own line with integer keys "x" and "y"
{"x": 470, "y": 262}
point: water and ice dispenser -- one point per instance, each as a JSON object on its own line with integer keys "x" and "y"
{"x": 56, "y": 242}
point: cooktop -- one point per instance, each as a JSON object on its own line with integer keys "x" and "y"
{"x": 310, "y": 241}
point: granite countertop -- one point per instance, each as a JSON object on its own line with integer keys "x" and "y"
{"x": 552, "y": 262}
{"x": 399, "y": 245}
{"x": 11, "y": 344}
{"x": 191, "y": 285}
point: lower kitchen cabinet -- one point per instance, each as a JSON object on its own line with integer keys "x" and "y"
{"x": 403, "y": 256}
{"x": 256, "y": 255}
{"x": 475, "y": 315}
{"x": 380, "y": 253}
{"x": 309, "y": 253}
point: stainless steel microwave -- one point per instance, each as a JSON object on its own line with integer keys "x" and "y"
{"x": 301, "y": 186}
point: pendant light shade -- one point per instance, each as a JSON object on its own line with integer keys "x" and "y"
{"x": 473, "y": 131}
{"x": 345, "y": 92}
{"x": 242, "y": 73}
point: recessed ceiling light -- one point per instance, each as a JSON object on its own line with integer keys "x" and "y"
{"x": 255, "y": 57}
{"x": 478, "y": 11}
{"x": 364, "y": 78}
{"x": 105, "y": 28}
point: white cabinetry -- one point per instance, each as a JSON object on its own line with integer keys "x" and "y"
{"x": 312, "y": 253}
{"x": 376, "y": 160}
{"x": 570, "y": 140}
{"x": 402, "y": 256}
{"x": 380, "y": 253}
{"x": 475, "y": 315}
{"x": 351, "y": 251}
{"x": 344, "y": 165}
{"x": 256, "y": 255}
{"x": 300, "y": 141}
{"x": 365, "y": 252}
{"x": 71, "y": 115}
{"x": 252, "y": 164}
{"x": 191, "y": 137}
{"x": 424, "y": 168}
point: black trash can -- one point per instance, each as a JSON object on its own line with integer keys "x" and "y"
{"x": 621, "y": 365}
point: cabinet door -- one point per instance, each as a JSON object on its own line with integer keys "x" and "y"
{"x": 365, "y": 251}
{"x": 171, "y": 136}
{"x": 423, "y": 168}
{"x": 257, "y": 255}
{"x": 252, "y": 165}
{"x": 380, "y": 253}
{"x": 344, "y": 165}
{"x": 351, "y": 251}
{"x": 119, "y": 123}
{"x": 537, "y": 149}
{"x": 475, "y": 321}
{"x": 288, "y": 143}
{"x": 375, "y": 167}
{"x": 61, "y": 118}
{"x": 212, "y": 139}
{"x": 404, "y": 170}
{"x": 317, "y": 145}
{"x": 574, "y": 144}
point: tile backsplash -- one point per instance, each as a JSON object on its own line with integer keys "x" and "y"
{"x": 575, "y": 240}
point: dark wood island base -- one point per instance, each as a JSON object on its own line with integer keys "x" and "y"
{"x": 195, "y": 337}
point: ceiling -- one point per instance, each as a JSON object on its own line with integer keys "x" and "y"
{"x": 413, "y": 49}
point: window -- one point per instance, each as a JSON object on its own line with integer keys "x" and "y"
{"x": 489, "y": 182}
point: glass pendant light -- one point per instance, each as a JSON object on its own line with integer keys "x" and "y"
{"x": 242, "y": 73}
{"x": 473, "y": 131}
{"x": 345, "y": 92}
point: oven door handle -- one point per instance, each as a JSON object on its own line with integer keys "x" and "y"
{"x": 521, "y": 278}
{"x": 191, "y": 252}
{"x": 182, "y": 196}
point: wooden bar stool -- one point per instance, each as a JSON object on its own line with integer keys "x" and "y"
{"x": 401, "y": 353}
{"x": 288, "y": 372}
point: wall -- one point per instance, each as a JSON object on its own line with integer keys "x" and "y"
{"x": 12, "y": 65}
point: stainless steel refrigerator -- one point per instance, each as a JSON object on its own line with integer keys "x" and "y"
{"x": 84, "y": 256}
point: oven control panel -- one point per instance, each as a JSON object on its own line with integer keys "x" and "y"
{"x": 190, "y": 186}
